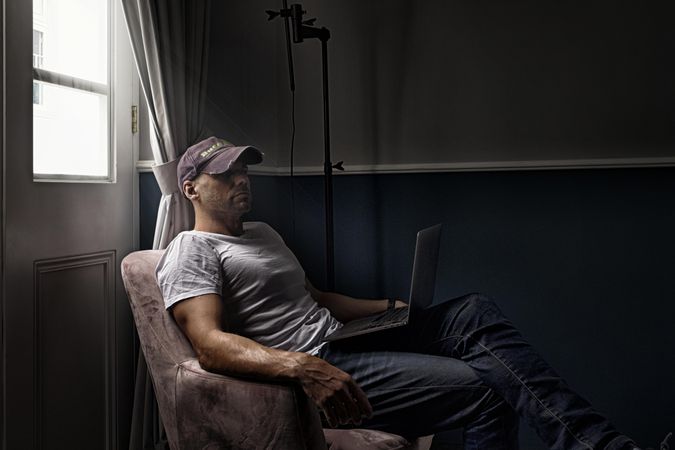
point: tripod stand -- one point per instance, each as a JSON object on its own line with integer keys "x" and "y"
{"x": 304, "y": 30}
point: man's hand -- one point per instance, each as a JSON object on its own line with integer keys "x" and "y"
{"x": 400, "y": 304}
{"x": 333, "y": 390}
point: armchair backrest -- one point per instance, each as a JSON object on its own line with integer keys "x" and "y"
{"x": 202, "y": 410}
{"x": 163, "y": 343}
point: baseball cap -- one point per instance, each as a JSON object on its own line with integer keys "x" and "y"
{"x": 213, "y": 155}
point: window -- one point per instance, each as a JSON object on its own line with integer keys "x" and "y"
{"x": 38, "y": 56}
{"x": 38, "y": 53}
{"x": 71, "y": 90}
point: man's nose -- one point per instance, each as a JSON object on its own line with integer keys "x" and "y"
{"x": 242, "y": 180}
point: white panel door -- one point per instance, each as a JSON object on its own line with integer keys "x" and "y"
{"x": 68, "y": 335}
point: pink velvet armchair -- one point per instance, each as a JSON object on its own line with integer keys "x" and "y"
{"x": 203, "y": 410}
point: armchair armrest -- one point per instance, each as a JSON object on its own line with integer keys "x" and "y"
{"x": 217, "y": 411}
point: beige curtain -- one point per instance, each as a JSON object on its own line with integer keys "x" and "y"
{"x": 170, "y": 42}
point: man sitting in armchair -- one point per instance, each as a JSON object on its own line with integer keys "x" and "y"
{"x": 242, "y": 299}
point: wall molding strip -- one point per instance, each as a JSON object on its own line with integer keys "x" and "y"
{"x": 492, "y": 166}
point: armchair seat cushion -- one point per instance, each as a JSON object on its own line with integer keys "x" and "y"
{"x": 358, "y": 439}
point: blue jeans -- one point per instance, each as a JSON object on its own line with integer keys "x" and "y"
{"x": 461, "y": 363}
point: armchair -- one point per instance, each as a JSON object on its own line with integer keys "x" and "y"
{"x": 203, "y": 410}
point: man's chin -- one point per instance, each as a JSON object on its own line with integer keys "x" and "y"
{"x": 244, "y": 206}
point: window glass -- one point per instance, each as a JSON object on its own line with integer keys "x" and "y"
{"x": 38, "y": 49}
{"x": 69, "y": 132}
{"x": 70, "y": 89}
{"x": 76, "y": 38}
{"x": 38, "y": 6}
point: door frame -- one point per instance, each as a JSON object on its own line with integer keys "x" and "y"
{"x": 3, "y": 411}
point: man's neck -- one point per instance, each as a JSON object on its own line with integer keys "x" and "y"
{"x": 230, "y": 226}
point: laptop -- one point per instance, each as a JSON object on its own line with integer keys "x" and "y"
{"x": 422, "y": 288}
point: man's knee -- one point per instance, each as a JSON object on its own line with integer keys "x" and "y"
{"x": 462, "y": 315}
{"x": 476, "y": 309}
{"x": 477, "y": 302}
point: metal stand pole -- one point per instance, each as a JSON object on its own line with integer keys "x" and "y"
{"x": 303, "y": 30}
{"x": 328, "y": 173}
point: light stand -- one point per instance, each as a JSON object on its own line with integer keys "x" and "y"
{"x": 304, "y": 30}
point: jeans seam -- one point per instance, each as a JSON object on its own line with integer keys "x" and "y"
{"x": 443, "y": 387}
{"x": 581, "y": 439}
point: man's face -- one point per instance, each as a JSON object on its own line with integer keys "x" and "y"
{"x": 226, "y": 193}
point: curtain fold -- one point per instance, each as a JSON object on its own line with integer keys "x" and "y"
{"x": 170, "y": 41}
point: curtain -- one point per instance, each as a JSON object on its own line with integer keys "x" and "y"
{"x": 170, "y": 40}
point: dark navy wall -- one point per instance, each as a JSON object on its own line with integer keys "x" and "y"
{"x": 149, "y": 193}
{"x": 582, "y": 261}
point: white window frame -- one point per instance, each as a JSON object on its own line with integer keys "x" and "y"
{"x": 67, "y": 81}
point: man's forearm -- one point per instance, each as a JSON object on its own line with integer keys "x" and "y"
{"x": 345, "y": 308}
{"x": 236, "y": 355}
{"x": 331, "y": 389}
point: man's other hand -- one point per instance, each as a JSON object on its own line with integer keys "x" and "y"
{"x": 334, "y": 391}
{"x": 400, "y": 304}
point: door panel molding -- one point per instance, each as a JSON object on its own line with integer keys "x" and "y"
{"x": 75, "y": 350}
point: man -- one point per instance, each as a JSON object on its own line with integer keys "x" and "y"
{"x": 241, "y": 297}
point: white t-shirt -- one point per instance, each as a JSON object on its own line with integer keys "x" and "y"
{"x": 261, "y": 283}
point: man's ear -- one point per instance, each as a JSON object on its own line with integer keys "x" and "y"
{"x": 189, "y": 190}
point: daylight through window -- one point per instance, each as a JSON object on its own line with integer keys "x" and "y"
{"x": 71, "y": 90}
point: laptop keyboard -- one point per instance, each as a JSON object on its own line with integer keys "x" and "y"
{"x": 390, "y": 316}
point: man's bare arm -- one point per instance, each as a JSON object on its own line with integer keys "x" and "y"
{"x": 331, "y": 389}
{"x": 345, "y": 308}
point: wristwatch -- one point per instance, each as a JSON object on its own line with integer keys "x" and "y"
{"x": 391, "y": 303}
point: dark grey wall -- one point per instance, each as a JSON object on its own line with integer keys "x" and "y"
{"x": 245, "y": 83}
{"x": 440, "y": 81}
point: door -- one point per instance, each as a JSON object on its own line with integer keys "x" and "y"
{"x": 68, "y": 335}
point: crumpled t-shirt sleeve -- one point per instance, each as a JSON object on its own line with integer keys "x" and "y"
{"x": 189, "y": 267}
